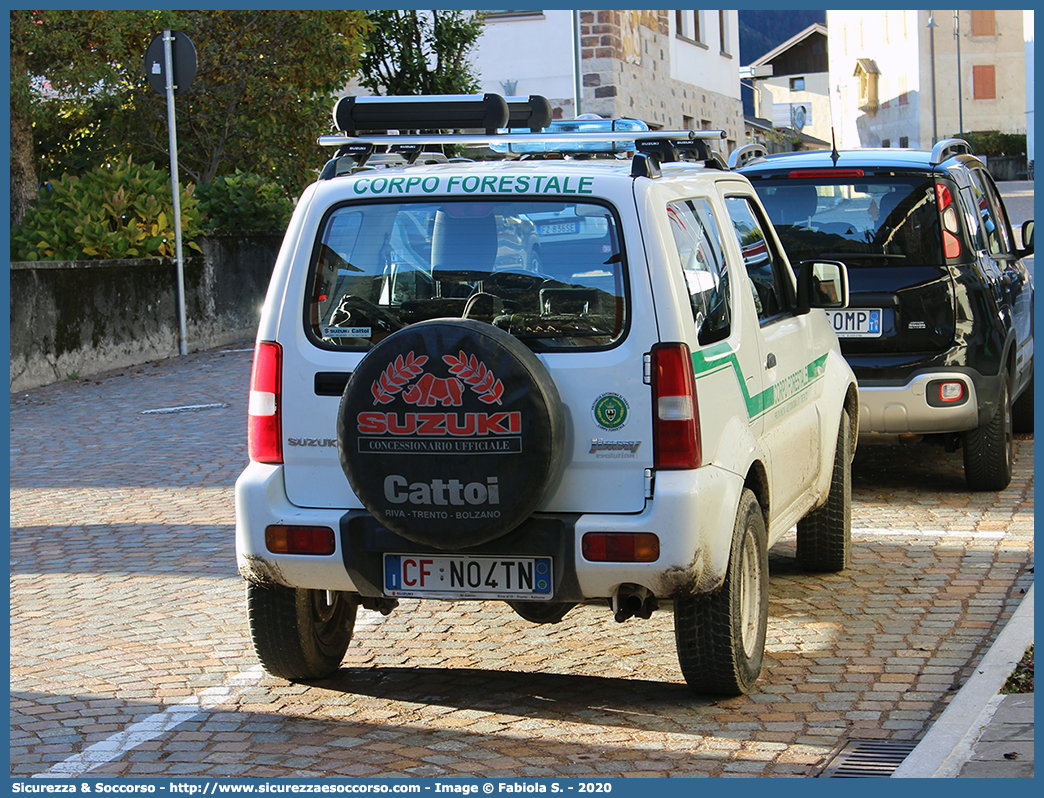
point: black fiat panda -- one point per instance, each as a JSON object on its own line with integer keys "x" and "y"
{"x": 939, "y": 330}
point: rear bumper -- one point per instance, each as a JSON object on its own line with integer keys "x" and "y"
{"x": 914, "y": 408}
{"x": 693, "y": 515}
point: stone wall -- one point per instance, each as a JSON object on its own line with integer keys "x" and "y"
{"x": 1007, "y": 167}
{"x": 78, "y": 318}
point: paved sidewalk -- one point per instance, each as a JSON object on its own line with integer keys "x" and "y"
{"x": 1005, "y": 747}
{"x": 983, "y": 734}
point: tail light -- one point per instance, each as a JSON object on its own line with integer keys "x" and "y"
{"x": 620, "y": 547}
{"x": 264, "y": 419}
{"x": 676, "y": 428}
{"x": 317, "y": 540}
{"x": 948, "y": 210}
{"x": 946, "y": 393}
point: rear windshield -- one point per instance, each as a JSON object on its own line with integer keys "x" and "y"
{"x": 549, "y": 273}
{"x": 881, "y": 220}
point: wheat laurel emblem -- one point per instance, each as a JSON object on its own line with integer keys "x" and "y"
{"x": 474, "y": 373}
{"x": 397, "y": 376}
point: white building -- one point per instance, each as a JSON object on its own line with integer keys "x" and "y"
{"x": 1027, "y": 27}
{"x": 797, "y": 95}
{"x": 896, "y": 82}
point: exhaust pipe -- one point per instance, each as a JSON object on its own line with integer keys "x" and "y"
{"x": 632, "y": 601}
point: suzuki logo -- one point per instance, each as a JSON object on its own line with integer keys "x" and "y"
{"x": 430, "y": 390}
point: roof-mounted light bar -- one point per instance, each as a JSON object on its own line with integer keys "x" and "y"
{"x": 475, "y": 139}
{"x": 587, "y": 123}
{"x": 487, "y": 112}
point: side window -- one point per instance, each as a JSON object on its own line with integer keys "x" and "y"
{"x": 994, "y": 229}
{"x": 762, "y": 264}
{"x": 1004, "y": 232}
{"x": 971, "y": 218}
{"x": 703, "y": 263}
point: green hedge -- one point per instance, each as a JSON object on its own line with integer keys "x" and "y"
{"x": 992, "y": 142}
{"x": 119, "y": 210}
{"x": 244, "y": 201}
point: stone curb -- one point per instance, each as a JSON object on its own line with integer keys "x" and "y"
{"x": 948, "y": 743}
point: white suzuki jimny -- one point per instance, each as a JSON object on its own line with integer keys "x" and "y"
{"x": 580, "y": 372}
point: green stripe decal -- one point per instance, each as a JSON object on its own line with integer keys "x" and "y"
{"x": 721, "y": 356}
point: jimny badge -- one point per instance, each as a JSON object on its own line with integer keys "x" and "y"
{"x": 610, "y": 411}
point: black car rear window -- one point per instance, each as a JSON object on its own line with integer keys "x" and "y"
{"x": 892, "y": 219}
{"x": 549, "y": 273}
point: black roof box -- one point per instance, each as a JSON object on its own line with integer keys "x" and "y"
{"x": 488, "y": 112}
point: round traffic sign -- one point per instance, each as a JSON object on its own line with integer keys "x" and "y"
{"x": 183, "y": 58}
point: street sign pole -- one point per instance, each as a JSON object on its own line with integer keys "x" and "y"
{"x": 168, "y": 55}
{"x": 170, "y": 68}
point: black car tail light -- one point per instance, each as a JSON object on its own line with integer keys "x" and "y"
{"x": 948, "y": 210}
{"x": 946, "y": 393}
{"x": 798, "y": 174}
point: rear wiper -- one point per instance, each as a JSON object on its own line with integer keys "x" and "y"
{"x": 577, "y": 332}
{"x": 540, "y": 327}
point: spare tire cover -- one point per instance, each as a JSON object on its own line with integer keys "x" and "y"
{"x": 451, "y": 432}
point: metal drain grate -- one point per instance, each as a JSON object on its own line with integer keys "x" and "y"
{"x": 868, "y": 759}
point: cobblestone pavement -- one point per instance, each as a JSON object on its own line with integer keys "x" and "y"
{"x": 130, "y": 655}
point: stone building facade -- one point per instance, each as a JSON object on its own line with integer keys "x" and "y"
{"x": 673, "y": 69}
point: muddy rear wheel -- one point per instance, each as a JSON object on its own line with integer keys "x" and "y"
{"x": 299, "y": 634}
{"x": 721, "y": 637}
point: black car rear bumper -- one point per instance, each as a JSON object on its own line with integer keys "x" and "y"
{"x": 927, "y": 402}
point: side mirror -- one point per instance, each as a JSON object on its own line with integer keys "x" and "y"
{"x": 822, "y": 284}
{"x": 1027, "y": 239}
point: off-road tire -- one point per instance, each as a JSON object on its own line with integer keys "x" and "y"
{"x": 990, "y": 449}
{"x": 721, "y": 637}
{"x": 297, "y": 634}
{"x": 824, "y": 536}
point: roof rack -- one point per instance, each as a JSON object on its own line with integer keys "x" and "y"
{"x": 947, "y": 148}
{"x": 741, "y": 156}
{"x": 497, "y": 116}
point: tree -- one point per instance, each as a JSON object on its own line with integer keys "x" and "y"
{"x": 63, "y": 57}
{"x": 262, "y": 95}
{"x": 412, "y": 53}
{"x": 264, "y": 92}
